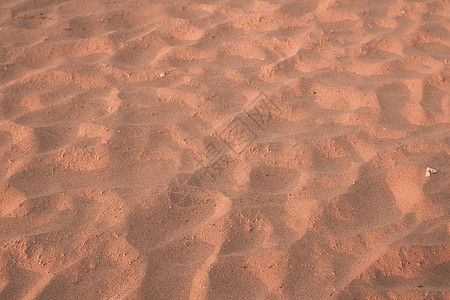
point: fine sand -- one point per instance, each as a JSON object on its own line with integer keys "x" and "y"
{"x": 228, "y": 149}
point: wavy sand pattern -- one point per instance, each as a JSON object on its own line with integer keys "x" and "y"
{"x": 224, "y": 149}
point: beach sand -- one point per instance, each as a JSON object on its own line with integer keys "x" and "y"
{"x": 224, "y": 149}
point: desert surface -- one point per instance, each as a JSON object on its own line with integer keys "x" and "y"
{"x": 228, "y": 149}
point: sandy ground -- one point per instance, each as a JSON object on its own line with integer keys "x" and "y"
{"x": 224, "y": 149}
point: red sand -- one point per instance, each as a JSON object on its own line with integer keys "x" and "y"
{"x": 224, "y": 149}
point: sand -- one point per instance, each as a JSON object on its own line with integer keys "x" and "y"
{"x": 224, "y": 149}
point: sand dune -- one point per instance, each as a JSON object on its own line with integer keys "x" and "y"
{"x": 224, "y": 149}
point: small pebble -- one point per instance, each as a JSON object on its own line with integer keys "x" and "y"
{"x": 430, "y": 171}
{"x": 162, "y": 75}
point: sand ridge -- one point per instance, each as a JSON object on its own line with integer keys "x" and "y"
{"x": 224, "y": 149}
